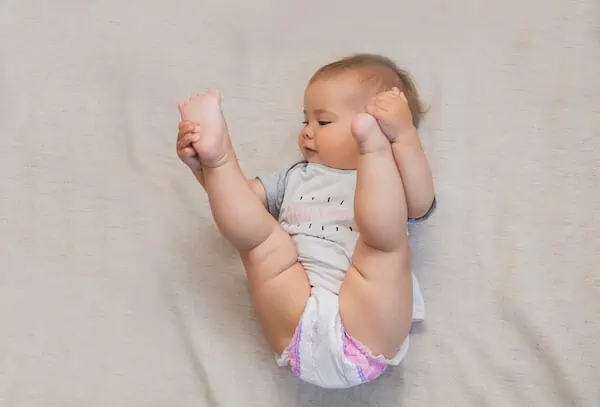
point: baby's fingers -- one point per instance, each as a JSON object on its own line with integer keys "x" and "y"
{"x": 396, "y": 94}
{"x": 384, "y": 104}
{"x": 187, "y": 140}
{"x": 371, "y": 109}
{"x": 184, "y": 128}
{"x": 379, "y": 114}
{"x": 186, "y": 152}
{"x": 186, "y": 124}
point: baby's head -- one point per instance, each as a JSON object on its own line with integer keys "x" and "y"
{"x": 336, "y": 93}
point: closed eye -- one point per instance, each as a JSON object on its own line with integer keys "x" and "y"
{"x": 321, "y": 123}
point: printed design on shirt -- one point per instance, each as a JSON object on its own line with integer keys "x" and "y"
{"x": 325, "y": 215}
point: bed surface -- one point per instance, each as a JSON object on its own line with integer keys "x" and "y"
{"x": 117, "y": 289}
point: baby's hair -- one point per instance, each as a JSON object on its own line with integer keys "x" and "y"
{"x": 381, "y": 73}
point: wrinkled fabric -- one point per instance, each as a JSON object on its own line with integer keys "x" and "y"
{"x": 116, "y": 287}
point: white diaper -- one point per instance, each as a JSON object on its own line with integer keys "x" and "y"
{"x": 322, "y": 353}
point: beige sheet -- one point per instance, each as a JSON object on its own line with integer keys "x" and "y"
{"x": 117, "y": 290}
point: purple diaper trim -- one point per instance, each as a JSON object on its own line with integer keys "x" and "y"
{"x": 369, "y": 367}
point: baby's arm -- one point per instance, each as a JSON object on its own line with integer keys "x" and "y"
{"x": 395, "y": 118}
{"x": 415, "y": 172}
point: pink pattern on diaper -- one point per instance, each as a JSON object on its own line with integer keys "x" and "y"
{"x": 294, "y": 351}
{"x": 369, "y": 367}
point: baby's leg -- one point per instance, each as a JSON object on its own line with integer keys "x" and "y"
{"x": 376, "y": 294}
{"x": 278, "y": 284}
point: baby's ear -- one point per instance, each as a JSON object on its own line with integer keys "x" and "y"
{"x": 396, "y": 91}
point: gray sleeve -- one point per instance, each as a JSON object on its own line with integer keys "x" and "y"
{"x": 275, "y": 184}
{"x": 428, "y": 214}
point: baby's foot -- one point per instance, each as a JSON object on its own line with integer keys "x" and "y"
{"x": 368, "y": 134}
{"x": 214, "y": 145}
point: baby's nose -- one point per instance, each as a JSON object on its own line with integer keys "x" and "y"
{"x": 308, "y": 133}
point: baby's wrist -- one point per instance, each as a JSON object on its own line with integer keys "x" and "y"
{"x": 199, "y": 175}
{"x": 407, "y": 136}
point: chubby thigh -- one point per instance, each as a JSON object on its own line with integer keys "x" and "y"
{"x": 376, "y": 301}
{"x": 279, "y": 287}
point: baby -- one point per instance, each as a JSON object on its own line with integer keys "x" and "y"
{"x": 324, "y": 242}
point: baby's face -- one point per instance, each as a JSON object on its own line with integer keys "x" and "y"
{"x": 329, "y": 107}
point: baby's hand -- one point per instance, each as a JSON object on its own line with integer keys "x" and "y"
{"x": 391, "y": 110}
{"x": 186, "y": 137}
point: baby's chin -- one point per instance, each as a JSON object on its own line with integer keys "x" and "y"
{"x": 310, "y": 155}
{"x": 315, "y": 159}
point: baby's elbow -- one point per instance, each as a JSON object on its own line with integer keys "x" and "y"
{"x": 417, "y": 213}
{"x": 421, "y": 210}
